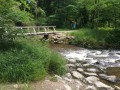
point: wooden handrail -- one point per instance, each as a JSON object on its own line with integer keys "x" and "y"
{"x": 34, "y": 32}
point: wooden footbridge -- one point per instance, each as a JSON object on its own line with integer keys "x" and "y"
{"x": 34, "y": 30}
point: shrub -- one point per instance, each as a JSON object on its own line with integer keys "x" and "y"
{"x": 113, "y": 38}
{"x": 97, "y": 38}
{"x": 28, "y": 61}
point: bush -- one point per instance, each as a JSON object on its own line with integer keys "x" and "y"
{"x": 89, "y": 38}
{"x": 113, "y": 38}
{"x": 97, "y": 38}
{"x": 29, "y": 61}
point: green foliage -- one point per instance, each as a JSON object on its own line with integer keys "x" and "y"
{"x": 97, "y": 38}
{"x": 28, "y": 61}
{"x": 10, "y": 13}
{"x": 113, "y": 38}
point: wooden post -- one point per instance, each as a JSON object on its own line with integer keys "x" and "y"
{"x": 45, "y": 29}
{"x": 54, "y": 29}
{"x": 34, "y": 30}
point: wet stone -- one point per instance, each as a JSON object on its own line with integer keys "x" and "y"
{"x": 108, "y": 78}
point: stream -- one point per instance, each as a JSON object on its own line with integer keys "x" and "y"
{"x": 106, "y": 61}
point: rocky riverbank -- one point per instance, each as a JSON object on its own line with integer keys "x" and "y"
{"x": 90, "y": 67}
{"x": 57, "y": 38}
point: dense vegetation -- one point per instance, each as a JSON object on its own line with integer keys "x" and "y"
{"x": 62, "y": 13}
{"x": 97, "y": 39}
{"x": 24, "y": 60}
{"x": 29, "y": 60}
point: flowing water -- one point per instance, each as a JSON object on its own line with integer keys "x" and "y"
{"x": 106, "y": 60}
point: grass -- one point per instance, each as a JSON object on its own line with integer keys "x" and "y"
{"x": 29, "y": 60}
{"x": 101, "y": 38}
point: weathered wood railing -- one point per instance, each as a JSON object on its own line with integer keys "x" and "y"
{"x": 34, "y": 30}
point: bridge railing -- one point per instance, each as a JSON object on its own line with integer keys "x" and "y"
{"x": 32, "y": 30}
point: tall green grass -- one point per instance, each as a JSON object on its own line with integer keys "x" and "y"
{"x": 101, "y": 38}
{"x": 29, "y": 60}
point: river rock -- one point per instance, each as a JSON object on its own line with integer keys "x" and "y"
{"x": 77, "y": 75}
{"x": 101, "y": 56}
{"x": 70, "y": 65}
{"x": 67, "y": 79}
{"x": 80, "y": 70}
{"x": 71, "y": 60}
{"x": 108, "y": 78}
{"x": 86, "y": 65}
{"x": 98, "y": 52}
{"x": 68, "y": 75}
{"x": 90, "y": 74}
{"x": 67, "y": 87}
{"x": 117, "y": 88}
{"x": 92, "y": 79}
{"x": 102, "y": 86}
{"x": 78, "y": 65}
{"x": 91, "y": 88}
{"x": 16, "y": 86}
{"x": 92, "y": 70}
{"x": 59, "y": 79}
{"x": 117, "y": 61}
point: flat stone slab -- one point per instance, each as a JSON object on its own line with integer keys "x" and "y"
{"x": 90, "y": 74}
{"x": 77, "y": 75}
{"x": 102, "y": 86}
{"x": 108, "y": 78}
{"x": 92, "y": 79}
